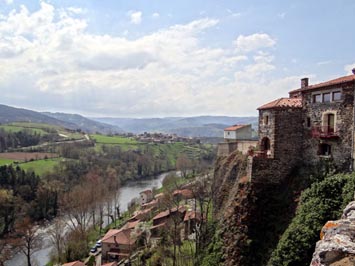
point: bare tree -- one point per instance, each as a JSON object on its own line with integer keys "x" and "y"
{"x": 77, "y": 206}
{"x": 29, "y": 240}
{"x": 5, "y": 252}
{"x": 57, "y": 237}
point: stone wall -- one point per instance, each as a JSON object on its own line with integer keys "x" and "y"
{"x": 342, "y": 147}
{"x": 226, "y": 148}
{"x": 268, "y": 169}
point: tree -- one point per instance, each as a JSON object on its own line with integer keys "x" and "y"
{"x": 5, "y": 251}
{"x": 29, "y": 239}
{"x": 183, "y": 164}
{"x": 57, "y": 237}
{"x": 7, "y": 211}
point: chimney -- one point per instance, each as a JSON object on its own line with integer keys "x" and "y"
{"x": 353, "y": 70}
{"x": 304, "y": 83}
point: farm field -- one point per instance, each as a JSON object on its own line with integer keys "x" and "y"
{"x": 41, "y": 167}
{"x": 5, "y": 161}
{"x": 26, "y": 156}
{"x": 16, "y": 128}
{"x": 42, "y": 129}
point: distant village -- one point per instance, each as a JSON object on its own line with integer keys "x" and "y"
{"x": 162, "y": 138}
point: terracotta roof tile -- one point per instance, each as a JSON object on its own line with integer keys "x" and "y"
{"x": 123, "y": 236}
{"x": 185, "y": 193}
{"x": 234, "y": 127}
{"x": 148, "y": 191}
{"x": 190, "y": 215}
{"x": 327, "y": 83}
{"x": 283, "y": 102}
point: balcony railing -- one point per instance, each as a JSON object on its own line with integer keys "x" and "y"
{"x": 325, "y": 132}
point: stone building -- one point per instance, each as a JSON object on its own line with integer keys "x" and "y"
{"x": 315, "y": 123}
{"x": 237, "y": 132}
{"x": 237, "y": 137}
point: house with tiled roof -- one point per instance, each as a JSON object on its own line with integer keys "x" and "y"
{"x": 236, "y": 132}
{"x": 118, "y": 244}
{"x": 315, "y": 123}
{"x": 237, "y": 137}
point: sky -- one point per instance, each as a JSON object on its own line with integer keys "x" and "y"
{"x": 141, "y": 58}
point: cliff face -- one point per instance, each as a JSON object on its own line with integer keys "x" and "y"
{"x": 337, "y": 244}
{"x": 252, "y": 214}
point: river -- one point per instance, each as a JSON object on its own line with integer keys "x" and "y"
{"x": 127, "y": 192}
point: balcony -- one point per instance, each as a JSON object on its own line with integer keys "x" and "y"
{"x": 324, "y": 132}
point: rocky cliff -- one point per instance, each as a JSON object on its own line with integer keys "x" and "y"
{"x": 337, "y": 244}
{"x": 253, "y": 214}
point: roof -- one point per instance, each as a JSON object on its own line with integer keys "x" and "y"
{"x": 235, "y": 127}
{"x": 148, "y": 191}
{"x": 123, "y": 237}
{"x": 185, "y": 193}
{"x": 336, "y": 81}
{"x": 168, "y": 212}
{"x": 283, "y": 102}
{"x": 190, "y": 215}
{"x": 74, "y": 263}
{"x": 131, "y": 225}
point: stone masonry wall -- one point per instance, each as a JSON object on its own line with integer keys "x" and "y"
{"x": 341, "y": 148}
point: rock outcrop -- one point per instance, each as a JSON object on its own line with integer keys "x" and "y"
{"x": 337, "y": 244}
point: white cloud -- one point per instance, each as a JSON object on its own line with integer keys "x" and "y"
{"x": 76, "y": 10}
{"x": 9, "y": 2}
{"x": 234, "y": 14}
{"x": 167, "y": 72}
{"x": 349, "y": 68}
{"x": 135, "y": 17}
{"x": 155, "y": 15}
{"x": 254, "y": 42}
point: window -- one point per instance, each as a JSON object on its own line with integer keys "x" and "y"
{"x": 336, "y": 95}
{"x": 308, "y": 122}
{"x": 324, "y": 149}
{"x": 266, "y": 120}
{"x": 326, "y": 97}
{"x": 317, "y": 98}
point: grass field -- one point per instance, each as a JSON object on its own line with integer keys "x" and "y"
{"x": 41, "y": 167}
{"x": 5, "y": 161}
{"x": 15, "y": 128}
{"x": 42, "y": 129}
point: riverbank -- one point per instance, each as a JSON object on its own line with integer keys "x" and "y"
{"x": 128, "y": 191}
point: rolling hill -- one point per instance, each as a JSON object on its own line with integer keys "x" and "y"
{"x": 10, "y": 114}
{"x": 198, "y": 126}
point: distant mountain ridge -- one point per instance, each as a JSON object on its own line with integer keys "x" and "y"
{"x": 10, "y": 114}
{"x": 197, "y": 126}
{"x": 85, "y": 124}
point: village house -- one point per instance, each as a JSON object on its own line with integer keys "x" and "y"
{"x": 236, "y": 132}
{"x": 118, "y": 244}
{"x": 146, "y": 196}
{"x": 315, "y": 123}
{"x": 237, "y": 137}
{"x": 162, "y": 219}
